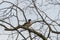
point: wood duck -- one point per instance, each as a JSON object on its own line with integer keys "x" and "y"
{"x": 27, "y": 24}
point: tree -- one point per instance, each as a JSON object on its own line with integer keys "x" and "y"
{"x": 14, "y": 15}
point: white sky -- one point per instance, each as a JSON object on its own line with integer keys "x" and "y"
{"x": 51, "y": 10}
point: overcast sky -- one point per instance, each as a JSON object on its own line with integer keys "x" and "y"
{"x": 51, "y": 10}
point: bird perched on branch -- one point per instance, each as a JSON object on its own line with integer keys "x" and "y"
{"x": 27, "y": 24}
